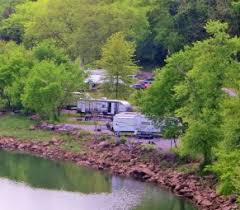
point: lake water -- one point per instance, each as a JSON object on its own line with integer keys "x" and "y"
{"x": 32, "y": 183}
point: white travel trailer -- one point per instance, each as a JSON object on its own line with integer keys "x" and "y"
{"x": 103, "y": 106}
{"x": 133, "y": 122}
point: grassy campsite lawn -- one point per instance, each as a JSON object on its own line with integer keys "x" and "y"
{"x": 19, "y": 127}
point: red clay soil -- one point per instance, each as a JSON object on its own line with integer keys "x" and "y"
{"x": 128, "y": 161}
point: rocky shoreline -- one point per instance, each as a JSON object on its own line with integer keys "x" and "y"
{"x": 125, "y": 160}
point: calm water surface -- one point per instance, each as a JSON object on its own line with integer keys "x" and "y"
{"x": 31, "y": 183}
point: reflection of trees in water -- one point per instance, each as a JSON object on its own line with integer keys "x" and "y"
{"x": 41, "y": 173}
{"x": 112, "y": 192}
{"x": 149, "y": 197}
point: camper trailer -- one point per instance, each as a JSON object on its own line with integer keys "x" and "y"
{"x": 103, "y": 106}
{"x": 133, "y": 122}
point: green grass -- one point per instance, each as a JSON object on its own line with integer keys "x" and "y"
{"x": 188, "y": 168}
{"x": 20, "y": 127}
{"x": 72, "y": 146}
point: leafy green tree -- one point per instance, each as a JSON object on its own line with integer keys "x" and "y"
{"x": 190, "y": 87}
{"x": 80, "y": 27}
{"x": 228, "y": 152}
{"x": 46, "y": 50}
{"x": 117, "y": 59}
{"x": 15, "y": 30}
{"x": 174, "y": 24}
{"x": 227, "y": 169}
{"x": 49, "y": 87}
{"x": 15, "y": 65}
{"x": 172, "y": 129}
{"x": 159, "y": 100}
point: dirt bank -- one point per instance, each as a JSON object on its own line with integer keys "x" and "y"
{"x": 131, "y": 161}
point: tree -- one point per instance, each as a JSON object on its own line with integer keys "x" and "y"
{"x": 49, "y": 86}
{"x": 227, "y": 169}
{"x": 202, "y": 90}
{"x": 41, "y": 79}
{"x": 190, "y": 87}
{"x": 174, "y": 24}
{"x": 228, "y": 152}
{"x": 80, "y": 27}
{"x": 172, "y": 128}
{"x": 117, "y": 59}
{"x": 12, "y": 27}
{"x": 47, "y": 50}
{"x": 15, "y": 65}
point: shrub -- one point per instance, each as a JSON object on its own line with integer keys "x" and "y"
{"x": 227, "y": 171}
{"x": 123, "y": 140}
{"x": 148, "y": 147}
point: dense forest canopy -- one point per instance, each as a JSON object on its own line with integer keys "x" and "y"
{"x": 158, "y": 27}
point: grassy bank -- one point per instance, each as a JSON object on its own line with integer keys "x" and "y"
{"x": 22, "y": 128}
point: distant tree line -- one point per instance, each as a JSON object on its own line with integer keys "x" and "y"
{"x": 81, "y": 27}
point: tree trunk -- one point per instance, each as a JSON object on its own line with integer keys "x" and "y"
{"x": 175, "y": 143}
{"x": 207, "y": 159}
{"x": 117, "y": 86}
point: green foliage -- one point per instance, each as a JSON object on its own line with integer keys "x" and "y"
{"x": 201, "y": 86}
{"x": 41, "y": 80}
{"x": 231, "y": 121}
{"x": 159, "y": 100}
{"x": 200, "y": 138}
{"x": 227, "y": 169}
{"x": 43, "y": 91}
{"x": 228, "y": 153}
{"x": 175, "y": 24}
{"x": 10, "y": 30}
{"x": 46, "y": 50}
{"x": 123, "y": 140}
{"x": 49, "y": 86}
{"x": 20, "y": 127}
{"x": 79, "y": 26}
{"x": 117, "y": 59}
{"x": 15, "y": 64}
{"x": 190, "y": 87}
{"x": 172, "y": 128}
{"x": 148, "y": 147}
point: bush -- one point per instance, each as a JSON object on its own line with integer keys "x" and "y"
{"x": 227, "y": 171}
{"x": 148, "y": 147}
{"x": 123, "y": 140}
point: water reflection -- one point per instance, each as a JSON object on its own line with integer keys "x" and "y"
{"x": 41, "y": 173}
{"x": 30, "y": 183}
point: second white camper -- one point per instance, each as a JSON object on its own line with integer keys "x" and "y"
{"x": 133, "y": 122}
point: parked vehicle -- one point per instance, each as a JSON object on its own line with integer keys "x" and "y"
{"x": 138, "y": 86}
{"x": 103, "y": 106}
{"x": 142, "y": 84}
{"x": 144, "y": 135}
{"x": 150, "y": 79}
{"x": 134, "y": 122}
